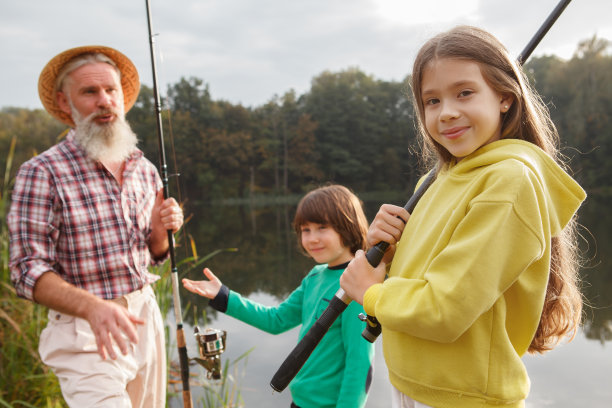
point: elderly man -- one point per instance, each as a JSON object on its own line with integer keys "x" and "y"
{"x": 87, "y": 219}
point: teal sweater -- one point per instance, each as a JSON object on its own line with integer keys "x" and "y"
{"x": 338, "y": 372}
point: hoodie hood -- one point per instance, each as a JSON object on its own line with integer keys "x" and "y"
{"x": 564, "y": 194}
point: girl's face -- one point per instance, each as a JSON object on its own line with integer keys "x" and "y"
{"x": 324, "y": 244}
{"x": 462, "y": 112}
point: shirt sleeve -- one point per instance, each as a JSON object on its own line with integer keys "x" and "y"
{"x": 359, "y": 356}
{"x": 33, "y": 223}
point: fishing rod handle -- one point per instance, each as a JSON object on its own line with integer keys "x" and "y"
{"x": 376, "y": 253}
{"x": 296, "y": 359}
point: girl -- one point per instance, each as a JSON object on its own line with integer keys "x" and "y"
{"x": 331, "y": 226}
{"x": 485, "y": 268}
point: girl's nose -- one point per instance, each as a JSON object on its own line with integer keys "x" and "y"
{"x": 448, "y": 111}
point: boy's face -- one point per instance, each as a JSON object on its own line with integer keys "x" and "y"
{"x": 462, "y": 112}
{"x": 324, "y": 244}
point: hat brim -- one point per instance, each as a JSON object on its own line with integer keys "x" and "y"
{"x": 130, "y": 82}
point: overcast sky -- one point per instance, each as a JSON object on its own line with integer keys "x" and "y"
{"x": 247, "y": 51}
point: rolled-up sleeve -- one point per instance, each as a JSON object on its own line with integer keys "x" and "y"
{"x": 33, "y": 229}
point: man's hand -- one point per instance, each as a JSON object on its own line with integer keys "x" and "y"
{"x": 111, "y": 322}
{"x": 166, "y": 215}
{"x": 108, "y": 320}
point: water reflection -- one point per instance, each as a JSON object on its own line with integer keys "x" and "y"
{"x": 268, "y": 260}
{"x": 268, "y": 266}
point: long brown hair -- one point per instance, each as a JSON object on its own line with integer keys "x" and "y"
{"x": 527, "y": 119}
{"x": 338, "y": 207}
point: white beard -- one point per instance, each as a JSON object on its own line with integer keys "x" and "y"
{"x": 112, "y": 142}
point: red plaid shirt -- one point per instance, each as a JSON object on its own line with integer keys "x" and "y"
{"x": 69, "y": 215}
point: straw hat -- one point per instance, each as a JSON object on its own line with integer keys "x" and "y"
{"x": 46, "y": 83}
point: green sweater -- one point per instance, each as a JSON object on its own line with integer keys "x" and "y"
{"x": 466, "y": 286}
{"x": 338, "y": 372}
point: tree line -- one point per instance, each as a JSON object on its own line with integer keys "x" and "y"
{"x": 349, "y": 128}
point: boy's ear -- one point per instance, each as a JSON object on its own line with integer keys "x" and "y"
{"x": 505, "y": 103}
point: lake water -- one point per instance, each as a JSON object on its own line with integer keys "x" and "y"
{"x": 267, "y": 267}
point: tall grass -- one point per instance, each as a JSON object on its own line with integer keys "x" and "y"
{"x": 26, "y": 382}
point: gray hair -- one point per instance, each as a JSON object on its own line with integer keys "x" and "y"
{"x": 79, "y": 61}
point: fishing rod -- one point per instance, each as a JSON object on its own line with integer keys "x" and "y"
{"x": 163, "y": 168}
{"x": 298, "y": 356}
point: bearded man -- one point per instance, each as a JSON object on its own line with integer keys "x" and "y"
{"x": 87, "y": 218}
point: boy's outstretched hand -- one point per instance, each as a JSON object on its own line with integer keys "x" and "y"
{"x": 208, "y": 288}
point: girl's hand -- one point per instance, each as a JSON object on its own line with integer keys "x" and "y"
{"x": 359, "y": 275}
{"x": 387, "y": 225}
{"x": 208, "y": 288}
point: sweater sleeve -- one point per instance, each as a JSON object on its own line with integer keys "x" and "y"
{"x": 494, "y": 243}
{"x": 219, "y": 302}
{"x": 359, "y": 358}
{"x": 272, "y": 319}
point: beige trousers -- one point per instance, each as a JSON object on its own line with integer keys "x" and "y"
{"x": 137, "y": 380}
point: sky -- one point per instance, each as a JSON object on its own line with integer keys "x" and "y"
{"x": 248, "y": 51}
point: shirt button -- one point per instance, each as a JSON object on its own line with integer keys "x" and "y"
{"x": 57, "y": 316}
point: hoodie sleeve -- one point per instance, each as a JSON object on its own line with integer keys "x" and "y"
{"x": 502, "y": 233}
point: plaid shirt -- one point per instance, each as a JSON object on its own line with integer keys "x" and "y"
{"x": 69, "y": 215}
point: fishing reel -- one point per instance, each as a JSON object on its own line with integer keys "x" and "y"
{"x": 211, "y": 344}
{"x": 372, "y": 329}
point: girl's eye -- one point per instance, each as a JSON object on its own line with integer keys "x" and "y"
{"x": 465, "y": 93}
{"x": 432, "y": 101}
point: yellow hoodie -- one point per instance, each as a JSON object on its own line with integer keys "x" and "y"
{"x": 466, "y": 286}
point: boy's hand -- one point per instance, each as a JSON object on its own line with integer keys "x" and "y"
{"x": 208, "y": 288}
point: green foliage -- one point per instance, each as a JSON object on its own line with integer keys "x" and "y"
{"x": 579, "y": 93}
{"x": 349, "y": 128}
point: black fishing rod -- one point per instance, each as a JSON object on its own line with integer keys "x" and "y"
{"x": 163, "y": 168}
{"x": 535, "y": 40}
{"x": 296, "y": 359}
